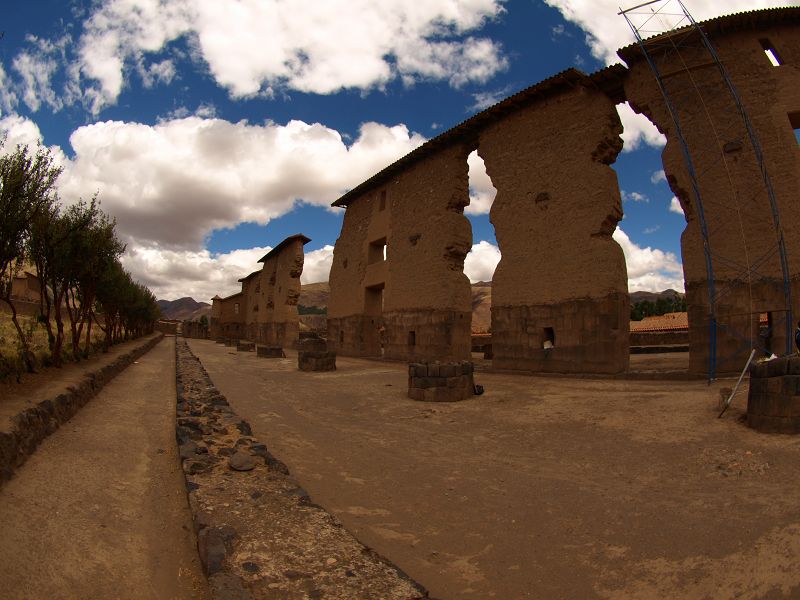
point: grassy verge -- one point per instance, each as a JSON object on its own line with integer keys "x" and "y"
{"x": 11, "y": 362}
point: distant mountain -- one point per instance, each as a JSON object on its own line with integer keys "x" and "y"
{"x": 315, "y": 294}
{"x": 654, "y": 296}
{"x": 184, "y": 309}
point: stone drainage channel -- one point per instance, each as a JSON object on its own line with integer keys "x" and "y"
{"x": 258, "y": 533}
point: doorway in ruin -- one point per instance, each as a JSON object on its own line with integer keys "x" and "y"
{"x": 482, "y": 259}
{"x": 373, "y": 309}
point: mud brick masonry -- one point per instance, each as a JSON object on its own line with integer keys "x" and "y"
{"x": 265, "y": 311}
{"x": 560, "y": 298}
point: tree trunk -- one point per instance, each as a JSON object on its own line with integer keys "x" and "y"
{"x": 27, "y": 355}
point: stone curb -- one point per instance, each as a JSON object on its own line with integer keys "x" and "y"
{"x": 259, "y": 535}
{"x": 34, "y": 424}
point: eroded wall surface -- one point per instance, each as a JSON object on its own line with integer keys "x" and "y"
{"x": 562, "y": 279}
{"x": 741, "y": 231}
{"x": 397, "y": 282}
{"x": 265, "y": 311}
{"x": 232, "y": 311}
{"x": 277, "y": 322}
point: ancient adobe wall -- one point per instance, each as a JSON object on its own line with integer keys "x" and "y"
{"x": 215, "y": 321}
{"x": 231, "y": 318}
{"x": 416, "y": 300}
{"x": 267, "y": 311}
{"x": 351, "y": 331}
{"x": 562, "y": 278}
{"x": 737, "y": 211}
{"x": 277, "y": 321}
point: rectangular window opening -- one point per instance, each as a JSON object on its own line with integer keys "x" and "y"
{"x": 549, "y": 338}
{"x": 341, "y": 336}
{"x": 772, "y": 54}
{"x": 373, "y": 300}
{"x": 236, "y": 308}
{"x": 377, "y": 251}
{"x": 412, "y": 338}
{"x": 382, "y": 203}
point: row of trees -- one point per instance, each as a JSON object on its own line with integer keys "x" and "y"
{"x": 661, "y": 306}
{"x": 76, "y": 254}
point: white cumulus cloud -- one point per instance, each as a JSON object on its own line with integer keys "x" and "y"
{"x": 171, "y": 184}
{"x": 649, "y": 269}
{"x": 317, "y": 265}
{"x": 481, "y": 261}
{"x": 606, "y": 31}
{"x": 481, "y": 190}
{"x": 637, "y": 130}
{"x": 675, "y": 206}
{"x": 174, "y": 182}
{"x": 256, "y": 46}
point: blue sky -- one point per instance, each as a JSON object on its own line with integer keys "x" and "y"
{"x": 212, "y": 130}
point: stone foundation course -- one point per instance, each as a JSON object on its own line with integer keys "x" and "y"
{"x": 315, "y": 360}
{"x": 259, "y": 535}
{"x": 30, "y": 426}
{"x": 441, "y": 382}
{"x": 773, "y": 402}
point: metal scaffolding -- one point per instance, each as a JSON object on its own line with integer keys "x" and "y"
{"x": 665, "y": 30}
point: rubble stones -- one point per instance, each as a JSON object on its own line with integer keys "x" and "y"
{"x": 241, "y": 461}
{"x": 259, "y": 534}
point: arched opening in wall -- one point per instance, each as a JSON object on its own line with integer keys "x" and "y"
{"x": 480, "y": 262}
{"x": 650, "y": 237}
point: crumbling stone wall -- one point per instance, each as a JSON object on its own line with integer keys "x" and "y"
{"x": 267, "y": 304}
{"x": 416, "y": 301}
{"x": 562, "y": 280}
{"x": 277, "y": 322}
{"x": 736, "y": 208}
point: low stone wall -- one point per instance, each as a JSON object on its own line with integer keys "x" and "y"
{"x": 34, "y": 424}
{"x": 245, "y": 346}
{"x": 773, "y": 402}
{"x": 440, "y": 382}
{"x": 258, "y": 533}
{"x": 309, "y": 360}
{"x": 270, "y": 351}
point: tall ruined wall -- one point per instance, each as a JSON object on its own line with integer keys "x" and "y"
{"x": 351, "y": 331}
{"x": 428, "y": 301}
{"x": 416, "y": 300}
{"x": 736, "y": 207}
{"x": 277, "y": 322}
{"x": 561, "y": 278}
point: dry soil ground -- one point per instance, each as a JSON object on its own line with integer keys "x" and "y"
{"x": 99, "y": 510}
{"x": 542, "y": 487}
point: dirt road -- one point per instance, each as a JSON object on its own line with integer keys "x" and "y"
{"x": 99, "y": 510}
{"x": 540, "y": 488}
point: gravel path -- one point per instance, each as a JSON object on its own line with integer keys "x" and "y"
{"x": 99, "y": 510}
